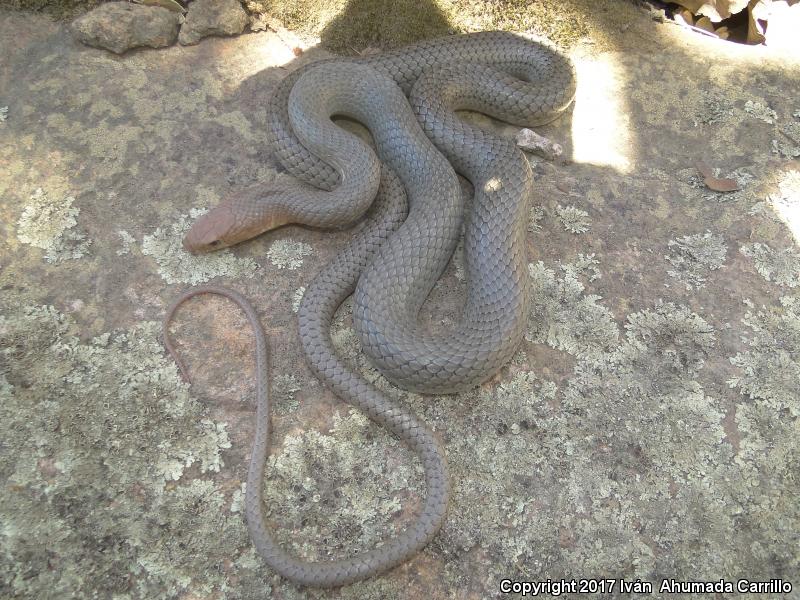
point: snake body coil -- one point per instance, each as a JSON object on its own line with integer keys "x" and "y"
{"x": 392, "y": 272}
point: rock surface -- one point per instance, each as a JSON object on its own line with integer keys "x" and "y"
{"x": 212, "y": 17}
{"x": 120, "y": 26}
{"x": 649, "y": 427}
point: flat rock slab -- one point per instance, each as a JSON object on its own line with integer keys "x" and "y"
{"x": 121, "y": 26}
{"x": 648, "y": 428}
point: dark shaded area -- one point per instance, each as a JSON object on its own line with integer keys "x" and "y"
{"x": 384, "y": 24}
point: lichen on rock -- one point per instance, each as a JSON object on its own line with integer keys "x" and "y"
{"x": 771, "y": 366}
{"x": 88, "y": 504}
{"x": 120, "y": 26}
{"x": 342, "y": 488}
{"x": 760, "y": 111}
{"x": 562, "y": 316}
{"x": 176, "y": 265}
{"x": 212, "y": 17}
{"x": 288, "y": 254}
{"x": 49, "y": 224}
{"x": 779, "y": 266}
{"x": 297, "y": 298}
{"x": 573, "y": 219}
{"x": 694, "y": 256}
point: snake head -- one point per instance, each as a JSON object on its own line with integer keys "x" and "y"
{"x": 242, "y": 216}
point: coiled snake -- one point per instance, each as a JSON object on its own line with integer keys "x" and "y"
{"x": 393, "y": 262}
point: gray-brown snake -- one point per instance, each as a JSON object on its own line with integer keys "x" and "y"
{"x": 393, "y": 263}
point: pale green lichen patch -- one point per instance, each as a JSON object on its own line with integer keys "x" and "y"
{"x": 563, "y": 316}
{"x": 535, "y": 217}
{"x": 788, "y": 144}
{"x": 288, "y": 254}
{"x": 3, "y": 113}
{"x": 769, "y": 422}
{"x": 127, "y": 242}
{"x": 694, "y": 256}
{"x": 87, "y": 504}
{"x": 760, "y": 111}
{"x": 212, "y": 438}
{"x": 779, "y": 266}
{"x": 771, "y": 365}
{"x": 297, "y": 298}
{"x": 714, "y": 108}
{"x": 578, "y": 478}
{"x": 176, "y": 265}
{"x": 284, "y": 388}
{"x": 341, "y": 487}
{"x": 49, "y": 224}
{"x": 682, "y": 338}
{"x": 573, "y": 219}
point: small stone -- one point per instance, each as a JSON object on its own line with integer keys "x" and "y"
{"x": 533, "y": 142}
{"x": 120, "y": 26}
{"x": 212, "y": 17}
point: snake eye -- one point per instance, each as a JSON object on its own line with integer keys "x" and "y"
{"x": 214, "y": 243}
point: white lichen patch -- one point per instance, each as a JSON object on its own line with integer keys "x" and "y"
{"x": 715, "y": 108}
{"x": 535, "y": 217}
{"x": 49, "y": 224}
{"x": 288, "y": 254}
{"x": 573, "y": 219}
{"x": 340, "y": 486}
{"x": 563, "y": 316}
{"x": 771, "y": 366}
{"x": 237, "y": 501}
{"x": 585, "y": 264}
{"x": 284, "y": 388}
{"x": 204, "y": 447}
{"x": 93, "y": 425}
{"x": 176, "y": 265}
{"x": 297, "y": 298}
{"x": 3, "y": 113}
{"x": 760, "y": 111}
{"x": 694, "y": 256}
{"x": 127, "y": 240}
{"x": 788, "y": 144}
{"x": 779, "y": 266}
{"x": 682, "y": 338}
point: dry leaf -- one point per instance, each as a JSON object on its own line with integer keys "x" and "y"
{"x": 714, "y": 183}
{"x": 684, "y": 16}
{"x": 705, "y": 24}
{"x": 756, "y": 22}
{"x": 722, "y": 32}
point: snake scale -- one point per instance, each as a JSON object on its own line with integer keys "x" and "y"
{"x": 407, "y": 99}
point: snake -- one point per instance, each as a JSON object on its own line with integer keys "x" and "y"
{"x": 407, "y": 99}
